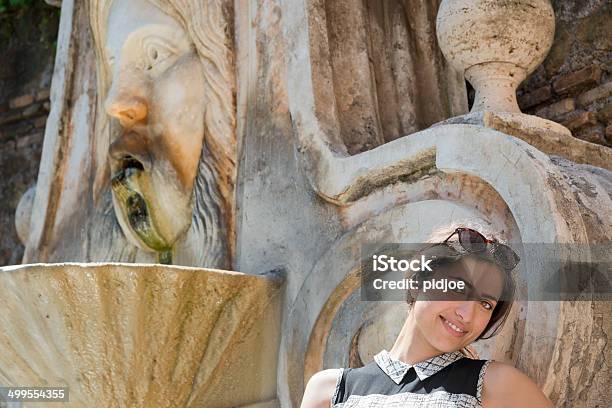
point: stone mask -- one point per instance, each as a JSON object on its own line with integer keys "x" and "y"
{"x": 158, "y": 102}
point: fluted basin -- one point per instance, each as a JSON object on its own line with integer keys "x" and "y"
{"x": 128, "y": 335}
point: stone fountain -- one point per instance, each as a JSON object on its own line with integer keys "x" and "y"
{"x": 285, "y": 135}
{"x": 129, "y": 335}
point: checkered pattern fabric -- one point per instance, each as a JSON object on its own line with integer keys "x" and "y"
{"x": 438, "y": 399}
{"x": 481, "y": 381}
{"x": 396, "y": 369}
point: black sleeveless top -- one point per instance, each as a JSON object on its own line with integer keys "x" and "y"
{"x": 447, "y": 380}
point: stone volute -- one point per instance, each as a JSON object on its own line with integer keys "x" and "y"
{"x": 496, "y": 44}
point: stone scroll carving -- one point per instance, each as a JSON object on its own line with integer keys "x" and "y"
{"x": 166, "y": 84}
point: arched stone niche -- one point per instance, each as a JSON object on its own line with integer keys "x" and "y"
{"x": 532, "y": 206}
{"x": 342, "y": 326}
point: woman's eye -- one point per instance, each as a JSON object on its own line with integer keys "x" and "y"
{"x": 487, "y": 305}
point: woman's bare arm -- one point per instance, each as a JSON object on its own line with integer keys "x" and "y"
{"x": 505, "y": 386}
{"x": 320, "y": 389}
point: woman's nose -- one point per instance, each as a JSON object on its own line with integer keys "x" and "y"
{"x": 465, "y": 310}
{"x": 128, "y": 109}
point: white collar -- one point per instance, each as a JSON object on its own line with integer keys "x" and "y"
{"x": 397, "y": 369}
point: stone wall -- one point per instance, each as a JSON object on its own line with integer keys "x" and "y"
{"x": 573, "y": 87}
{"x": 574, "y": 84}
{"x": 27, "y": 49}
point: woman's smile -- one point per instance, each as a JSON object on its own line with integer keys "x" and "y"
{"x": 453, "y": 329}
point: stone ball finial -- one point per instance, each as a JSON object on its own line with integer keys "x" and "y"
{"x": 496, "y": 43}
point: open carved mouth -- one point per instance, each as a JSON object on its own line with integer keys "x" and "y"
{"x": 128, "y": 166}
{"x": 126, "y": 185}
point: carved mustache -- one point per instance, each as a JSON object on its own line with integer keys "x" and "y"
{"x": 130, "y": 150}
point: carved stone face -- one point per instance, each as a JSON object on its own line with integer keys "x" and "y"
{"x": 158, "y": 104}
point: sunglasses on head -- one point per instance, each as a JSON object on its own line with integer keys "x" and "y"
{"x": 473, "y": 241}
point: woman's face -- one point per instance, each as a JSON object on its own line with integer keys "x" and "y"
{"x": 450, "y": 321}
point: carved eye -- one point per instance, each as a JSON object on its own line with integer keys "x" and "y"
{"x": 155, "y": 53}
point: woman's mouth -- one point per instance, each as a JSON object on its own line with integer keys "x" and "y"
{"x": 452, "y": 329}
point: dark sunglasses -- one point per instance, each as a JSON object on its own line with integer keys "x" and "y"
{"x": 473, "y": 241}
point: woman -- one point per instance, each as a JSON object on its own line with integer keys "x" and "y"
{"x": 425, "y": 366}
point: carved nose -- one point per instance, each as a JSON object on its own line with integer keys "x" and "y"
{"x": 128, "y": 110}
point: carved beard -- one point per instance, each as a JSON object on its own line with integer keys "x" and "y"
{"x": 203, "y": 245}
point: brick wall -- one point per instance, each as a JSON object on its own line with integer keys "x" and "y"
{"x": 574, "y": 84}
{"x": 27, "y": 50}
{"x": 22, "y": 125}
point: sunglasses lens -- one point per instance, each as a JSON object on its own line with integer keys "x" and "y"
{"x": 472, "y": 240}
{"x": 506, "y": 257}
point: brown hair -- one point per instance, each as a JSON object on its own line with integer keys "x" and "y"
{"x": 504, "y": 304}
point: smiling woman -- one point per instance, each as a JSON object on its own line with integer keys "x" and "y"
{"x": 426, "y": 366}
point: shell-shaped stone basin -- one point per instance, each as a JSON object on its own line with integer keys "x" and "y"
{"x": 130, "y": 335}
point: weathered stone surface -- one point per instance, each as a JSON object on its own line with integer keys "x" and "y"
{"x": 595, "y": 30}
{"x": 560, "y": 49}
{"x": 29, "y": 140}
{"x": 494, "y": 62}
{"x": 31, "y": 110}
{"x": 9, "y": 117}
{"x": 141, "y": 336}
{"x": 309, "y": 196}
{"x": 40, "y": 121}
{"x": 376, "y": 99}
{"x": 595, "y": 94}
{"x": 578, "y": 79}
{"x": 605, "y": 113}
{"x": 579, "y": 119}
{"x": 156, "y": 209}
{"x": 21, "y": 101}
{"x": 23, "y": 213}
{"x": 43, "y": 94}
{"x": 547, "y": 136}
{"x": 535, "y": 97}
{"x": 557, "y": 109}
{"x": 592, "y": 133}
{"x": 54, "y": 3}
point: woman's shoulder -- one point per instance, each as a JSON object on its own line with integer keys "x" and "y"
{"x": 505, "y": 385}
{"x": 320, "y": 389}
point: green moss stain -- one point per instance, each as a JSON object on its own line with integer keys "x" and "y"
{"x": 164, "y": 257}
